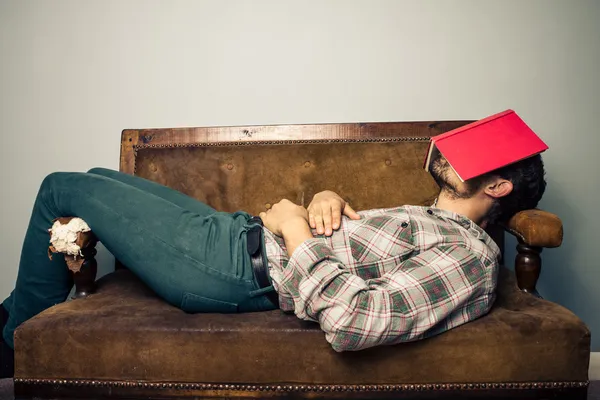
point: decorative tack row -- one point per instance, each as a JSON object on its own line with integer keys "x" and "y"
{"x": 303, "y": 388}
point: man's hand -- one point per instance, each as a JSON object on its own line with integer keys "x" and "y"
{"x": 284, "y": 214}
{"x": 325, "y": 212}
{"x": 289, "y": 221}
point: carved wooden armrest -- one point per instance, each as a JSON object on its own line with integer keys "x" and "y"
{"x": 82, "y": 264}
{"x": 534, "y": 229}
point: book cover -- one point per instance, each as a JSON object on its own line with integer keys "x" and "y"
{"x": 485, "y": 145}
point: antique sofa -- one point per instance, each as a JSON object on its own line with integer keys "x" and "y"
{"x": 117, "y": 339}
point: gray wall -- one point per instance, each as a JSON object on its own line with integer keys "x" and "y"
{"x": 73, "y": 74}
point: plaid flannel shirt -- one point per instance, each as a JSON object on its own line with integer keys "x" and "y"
{"x": 396, "y": 275}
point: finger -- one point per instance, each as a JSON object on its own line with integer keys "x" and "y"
{"x": 319, "y": 224}
{"x": 262, "y": 215}
{"x": 311, "y": 221}
{"x": 336, "y": 215}
{"x": 349, "y": 212}
{"x": 327, "y": 220}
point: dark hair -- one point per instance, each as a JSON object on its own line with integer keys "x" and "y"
{"x": 527, "y": 177}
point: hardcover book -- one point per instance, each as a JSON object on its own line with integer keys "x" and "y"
{"x": 485, "y": 145}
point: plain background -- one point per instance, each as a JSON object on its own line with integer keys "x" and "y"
{"x": 73, "y": 74}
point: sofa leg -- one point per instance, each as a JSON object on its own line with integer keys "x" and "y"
{"x": 528, "y": 265}
{"x": 85, "y": 278}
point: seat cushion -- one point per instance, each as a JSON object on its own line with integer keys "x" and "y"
{"x": 125, "y": 332}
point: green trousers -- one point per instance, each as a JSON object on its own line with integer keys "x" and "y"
{"x": 191, "y": 255}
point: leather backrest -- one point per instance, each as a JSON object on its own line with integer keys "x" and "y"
{"x": 251, "y": 168}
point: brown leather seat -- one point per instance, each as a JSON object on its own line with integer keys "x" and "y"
{"x": 124, "y": 330}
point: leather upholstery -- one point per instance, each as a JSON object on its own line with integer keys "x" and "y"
{"x": 251, "y": 178}
{"x": 537, "y": 228}
{"x": 126, "y": 332}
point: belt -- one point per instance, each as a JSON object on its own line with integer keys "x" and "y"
{"x": 259, "y": 265}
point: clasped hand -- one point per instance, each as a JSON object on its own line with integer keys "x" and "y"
{"x": 324, "y": 213}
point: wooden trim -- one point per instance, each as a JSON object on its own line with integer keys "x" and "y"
{"x": 133, "y": 139}
{"x": 129, "y": 139}
{"x": 93, "y": 388}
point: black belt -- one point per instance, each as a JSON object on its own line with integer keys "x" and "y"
{"x": 259, "y": 264}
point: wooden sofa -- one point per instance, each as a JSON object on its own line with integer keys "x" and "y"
{"x": 123, "y": 341}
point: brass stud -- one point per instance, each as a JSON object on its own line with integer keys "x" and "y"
{"x": 306, "y": 164}
{"x": 230, "y": 166}
{"x": 388, "y": 162}
{"x": 268, "y": 206}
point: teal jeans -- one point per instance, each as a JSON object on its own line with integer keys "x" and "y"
{"x": 191, "y": 255}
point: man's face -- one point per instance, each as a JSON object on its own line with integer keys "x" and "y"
{"x": 447, "y": 180}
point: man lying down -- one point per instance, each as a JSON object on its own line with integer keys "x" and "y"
{"x": 369, "y": 278}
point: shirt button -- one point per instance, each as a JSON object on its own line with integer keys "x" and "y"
{"x": 404, "y": 224}
{"x": 429, "y": 212}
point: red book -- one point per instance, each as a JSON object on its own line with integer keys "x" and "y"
{"x": 486, "y": 145}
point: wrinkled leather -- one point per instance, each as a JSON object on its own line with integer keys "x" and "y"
{"x": 125, "y": 332}
{"x": 262, "y": 175}
{"x": 537, "y": 228}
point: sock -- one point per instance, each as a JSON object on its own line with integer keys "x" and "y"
{"x": 7, "y": 355}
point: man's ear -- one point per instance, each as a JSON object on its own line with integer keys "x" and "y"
{"x": 498, "y": 188}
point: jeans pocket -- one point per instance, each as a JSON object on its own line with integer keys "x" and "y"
{"x": 192, "y": 303}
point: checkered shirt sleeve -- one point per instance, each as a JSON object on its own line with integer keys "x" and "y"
{"x": 429, "y": 293}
